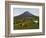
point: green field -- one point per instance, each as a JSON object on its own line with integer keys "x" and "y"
{"x": 26, "y": 23}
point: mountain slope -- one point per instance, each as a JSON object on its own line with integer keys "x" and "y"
{"x": 25, "y": 14}
{"x": 26, "y": 21}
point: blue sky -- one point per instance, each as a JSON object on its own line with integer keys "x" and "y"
{"x": 18, "y": 11}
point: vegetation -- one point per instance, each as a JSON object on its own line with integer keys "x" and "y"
{"x": 26, "y": 22}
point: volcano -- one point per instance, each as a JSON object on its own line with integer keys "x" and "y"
{"x": 26, "y": 21}
{"x": 26, "y": 14}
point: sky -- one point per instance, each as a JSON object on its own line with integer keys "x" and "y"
{"x": 18, "y": 11}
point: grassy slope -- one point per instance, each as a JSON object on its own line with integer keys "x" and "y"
{"x": 26, "y": 23}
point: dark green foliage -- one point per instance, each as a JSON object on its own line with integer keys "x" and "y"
{"x": 26, "y": 23}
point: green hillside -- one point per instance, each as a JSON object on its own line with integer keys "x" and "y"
{"x": 31, "y": 22}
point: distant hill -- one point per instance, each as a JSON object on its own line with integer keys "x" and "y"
{"x": 25, "y": 14}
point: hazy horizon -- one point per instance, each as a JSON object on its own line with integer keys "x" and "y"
{"x": 19, "y": 11}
